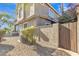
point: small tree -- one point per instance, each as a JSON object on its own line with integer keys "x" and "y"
{"x": 4, "y": 19}
{"x": 28, "y": 34}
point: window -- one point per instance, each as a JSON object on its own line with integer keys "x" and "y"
{"x": 25, "y": 25}
{"x": 20, "y": 12}
{"x": 32, "y": 9}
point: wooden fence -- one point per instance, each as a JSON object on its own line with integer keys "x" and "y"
{"x": 68, "y": 36}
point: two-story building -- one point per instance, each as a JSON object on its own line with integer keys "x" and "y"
{"x": 33, "y": 14}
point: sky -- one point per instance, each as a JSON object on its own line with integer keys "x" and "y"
{"x": 11, "y": 7}
{"x": 8, "y": 8}
{"x": 57, "y": 8}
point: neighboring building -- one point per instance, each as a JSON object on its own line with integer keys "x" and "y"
{"x": 35, "y": 14}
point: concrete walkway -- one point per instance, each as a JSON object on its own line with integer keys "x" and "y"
{"x": 11, "y": 47}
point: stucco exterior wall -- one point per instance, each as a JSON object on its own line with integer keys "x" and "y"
{"x": 20, "y": 12}
{"x": 41, "y": 22}
{"x": 48, "y": 35}
{"x": 41, "y": 10}
{"x": 29, "y": 10}
{"x": 35, "y": 9}
{"x": 31, "y": 23}
{"x": 77, "y": 10}
{"x": 38, "y": 22}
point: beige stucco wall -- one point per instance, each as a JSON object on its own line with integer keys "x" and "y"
{"x": 35, "y": 9}
{"x": 38, "y": 22}
{"x": 77, "y": 10}
{"x": 29, "y": 9}
{"x": 31, "y": 23}
{"x": 48, "y": 35}
{"x": 20, "y": 12}
{"x": 41, "y": 22}
{"x": 41, "y": 9}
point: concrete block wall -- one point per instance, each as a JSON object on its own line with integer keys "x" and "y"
{"x": 48, "y": 36}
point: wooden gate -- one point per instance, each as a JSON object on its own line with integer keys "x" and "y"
{"x": 68, "y": 36}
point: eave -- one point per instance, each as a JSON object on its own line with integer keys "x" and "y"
{"x": 25, "y": 20}
{"x": 31, "y": 18}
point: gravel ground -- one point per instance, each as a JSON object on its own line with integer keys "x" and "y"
{"x": 19, "y": 49}
{"x": 11, "y": 47}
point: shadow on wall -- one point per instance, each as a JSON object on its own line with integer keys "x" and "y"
{"x": 42, "y": 35}
{"x": 64, "y": 37}
{"x": 46, "y": 51}
{"x": 5, "y": 48}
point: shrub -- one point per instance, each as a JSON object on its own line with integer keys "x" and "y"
{"x": 2, "y": 32}
{"x": 28, "y": 34}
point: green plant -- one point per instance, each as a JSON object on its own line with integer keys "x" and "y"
{"x": 5, "y": 20}
{"x": 28, "y": 34}
{"x": 2, "y": 32}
